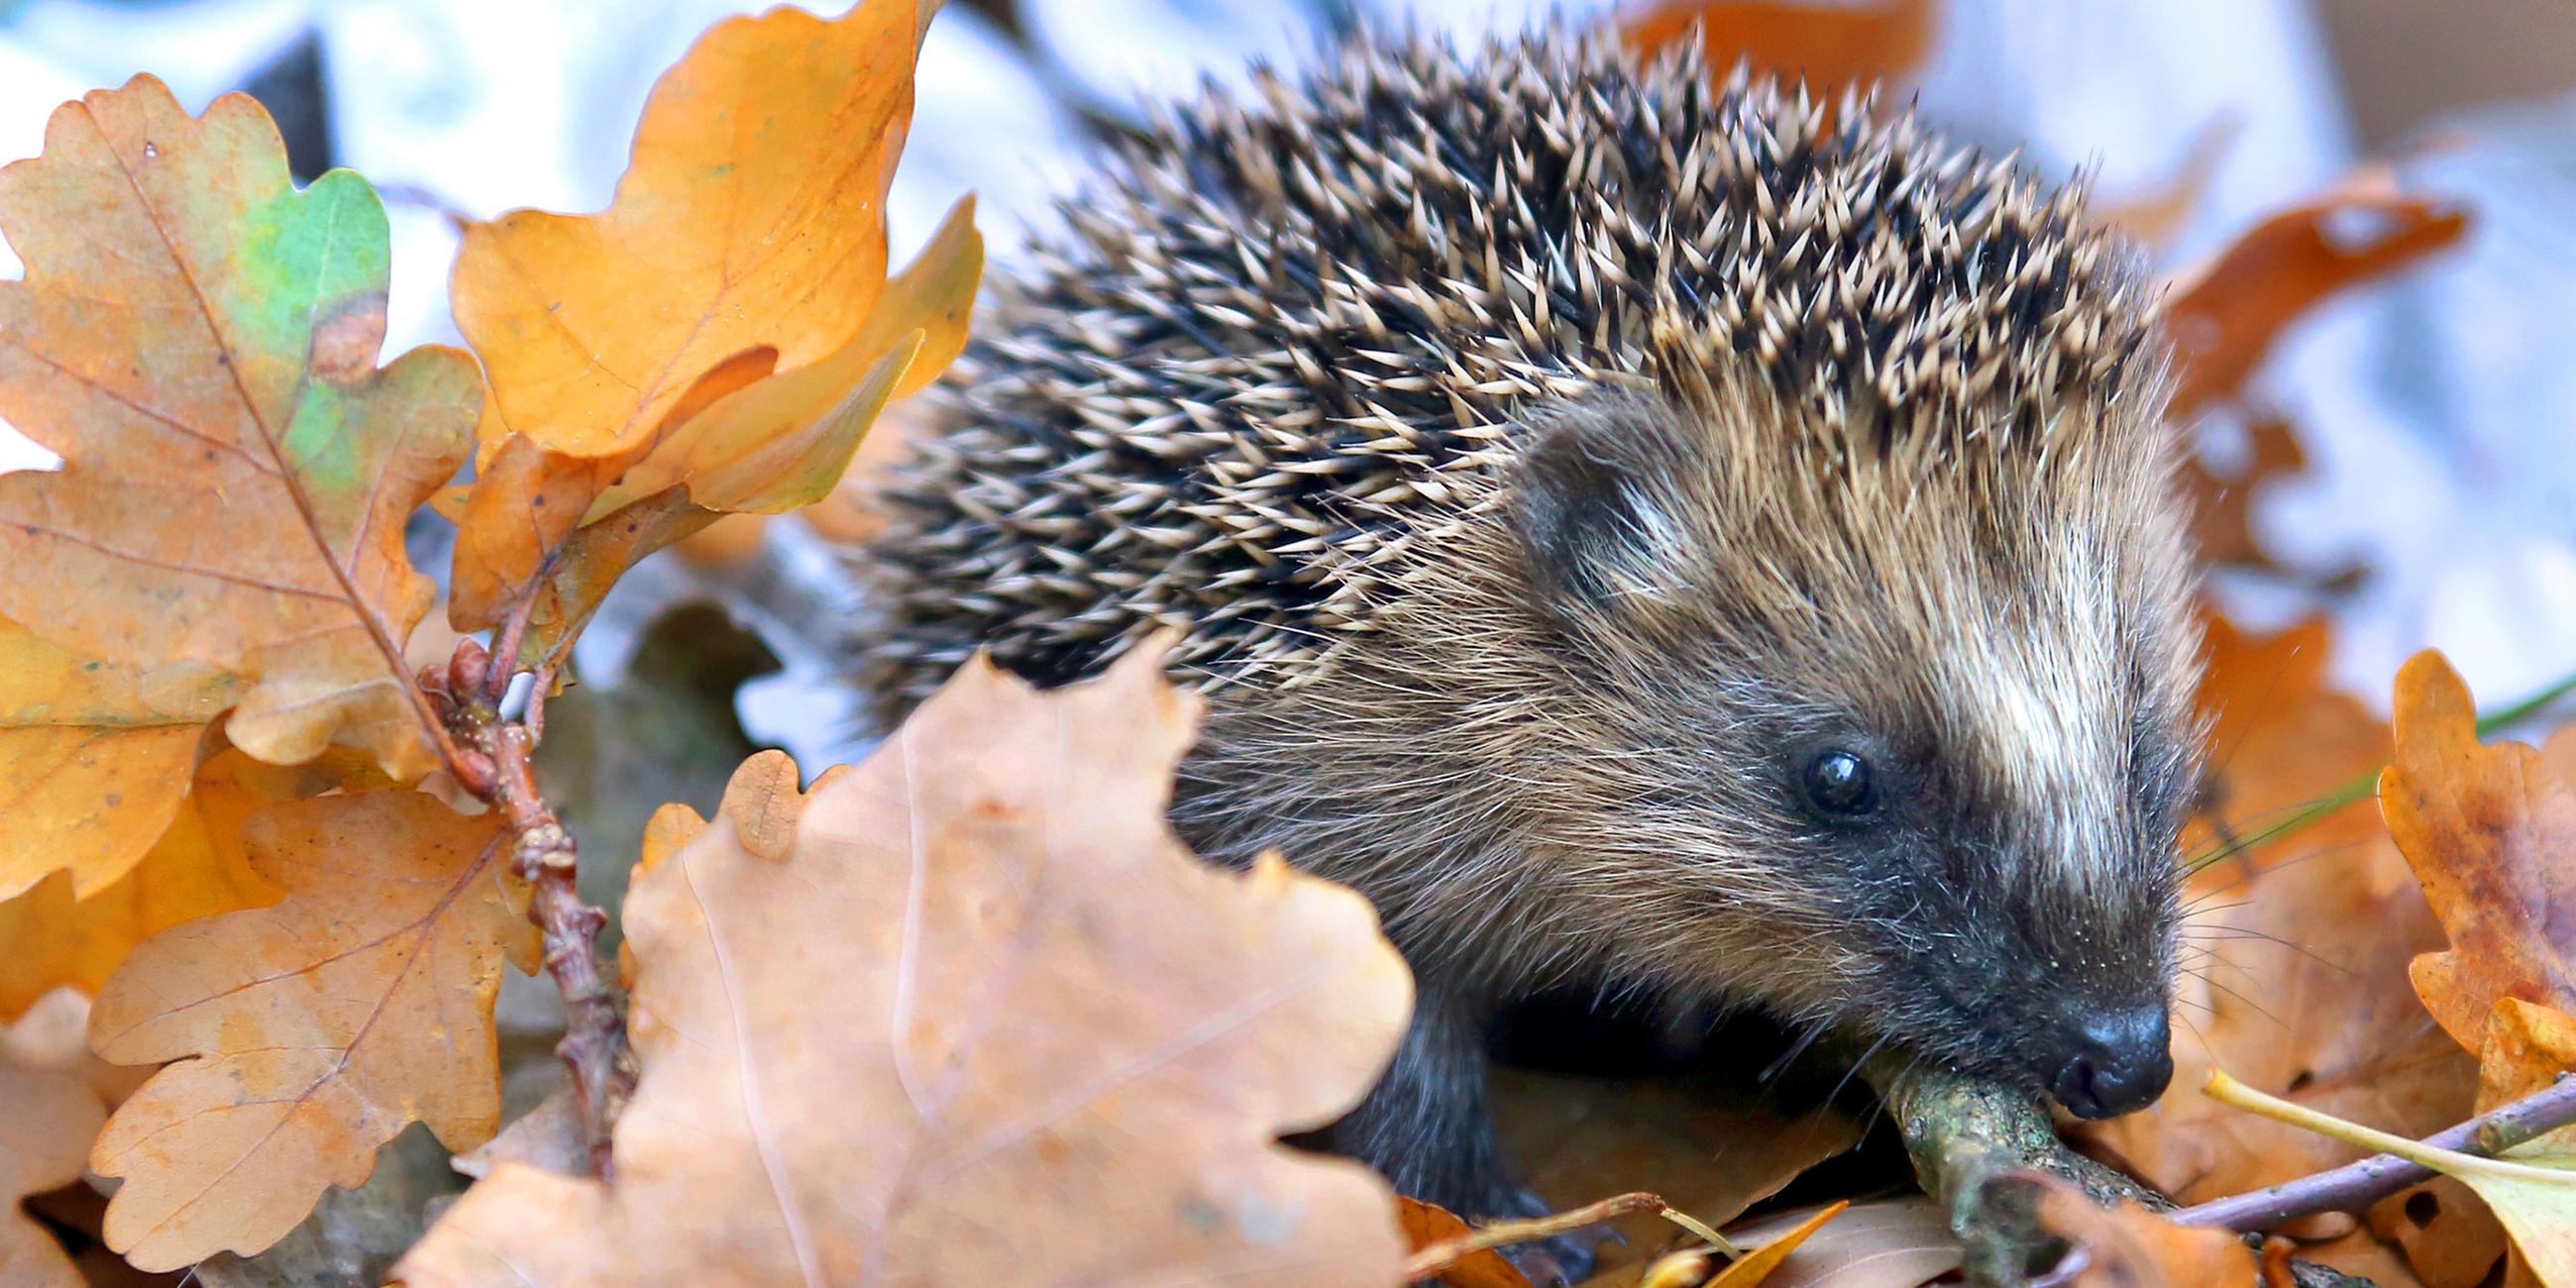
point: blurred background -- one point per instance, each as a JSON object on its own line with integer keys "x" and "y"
{"x": 2438, "y": 501}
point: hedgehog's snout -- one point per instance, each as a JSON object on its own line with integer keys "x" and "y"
{"x": 2118, "y": 1060}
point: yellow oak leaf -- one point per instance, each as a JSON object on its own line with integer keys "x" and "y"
{"x": 721, "y": 337}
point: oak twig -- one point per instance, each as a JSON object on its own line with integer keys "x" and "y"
{"x": 2355, "y": 1186}
{"x": 492, "y": 763}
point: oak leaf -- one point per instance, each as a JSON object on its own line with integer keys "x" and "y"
{"x": 721, "y": 337}
{"x": 1711, "y": 1153}
{"x": 2491, "y": 833}
{"x": 2224, "y": 313}
{"x": 94, "y": 757}
{"x": 982, "y": 1019}
{"x": 197, "y": 338}
{"x": 309, "y": 1033}
{"x": 50, "y": 937}
{"x": 2528, "y": 1048}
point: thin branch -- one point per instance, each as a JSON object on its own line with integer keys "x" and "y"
{"x": 492, "y": 763}
{"x": 2356, "y": 1186}
{"x": 594, "y": 1043}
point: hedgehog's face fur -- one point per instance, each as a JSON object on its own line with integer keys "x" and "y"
{"x": 1902, "y": 753}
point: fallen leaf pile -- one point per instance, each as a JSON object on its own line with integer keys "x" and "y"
{"x": 969, "y": 1012}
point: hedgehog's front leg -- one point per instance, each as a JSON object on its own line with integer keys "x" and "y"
{"x": 1429, "y": 1129}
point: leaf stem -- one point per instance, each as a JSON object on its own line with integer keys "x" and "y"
{"x": 2355, "y": 1186}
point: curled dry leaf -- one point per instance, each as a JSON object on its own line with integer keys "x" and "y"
{"x": 2224, "y": 313}
{"x": 198, "y": 868}
{"x": 308, "y": 1034}
{"x": 2296, "y": 948}
{"x": 721, "y": 337}
{"x": 197, "y": 337}
{"x": 911, "y": 1048}
{"x": 2491, "y": 833}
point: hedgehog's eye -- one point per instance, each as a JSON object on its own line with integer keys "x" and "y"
{"x": 1838, "y": 782}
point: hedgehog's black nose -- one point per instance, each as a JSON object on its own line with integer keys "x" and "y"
{"x": 2122, "y": 1061}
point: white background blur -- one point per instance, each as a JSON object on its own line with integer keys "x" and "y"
{"x": 2438, "y": 412}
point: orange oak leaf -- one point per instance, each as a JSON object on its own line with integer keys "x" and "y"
{"x": 2296, "y": 946}
{"x": 2222, "y": 501}
{"x": 751, "y": 215}
{"x": 916, "y": 1044}
{"x": 94, "y": 757}
{"x": 199, "y": 867}
{"x": 725, "y": 326}
{"x": 2491, "y": 833}
{"x": 197, "y": 338}
{"x": 308, "y": 1033}
{"x": 2224, "y": 313}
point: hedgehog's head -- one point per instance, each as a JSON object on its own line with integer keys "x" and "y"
{"x": 1889, "y": 726}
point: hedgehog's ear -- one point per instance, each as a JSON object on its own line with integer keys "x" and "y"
{"x": 1595, "y": 500}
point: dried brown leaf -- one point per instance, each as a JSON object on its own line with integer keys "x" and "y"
{"x": 913, "y": 1046}
{"x": 1899, "y": 1243}
{"x": 2491, "y": 834}
{"x": 2224, "y": 313}
{"x": 308, "y": 1034}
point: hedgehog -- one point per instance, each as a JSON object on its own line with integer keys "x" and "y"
{"x": 1646, "y": 529}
